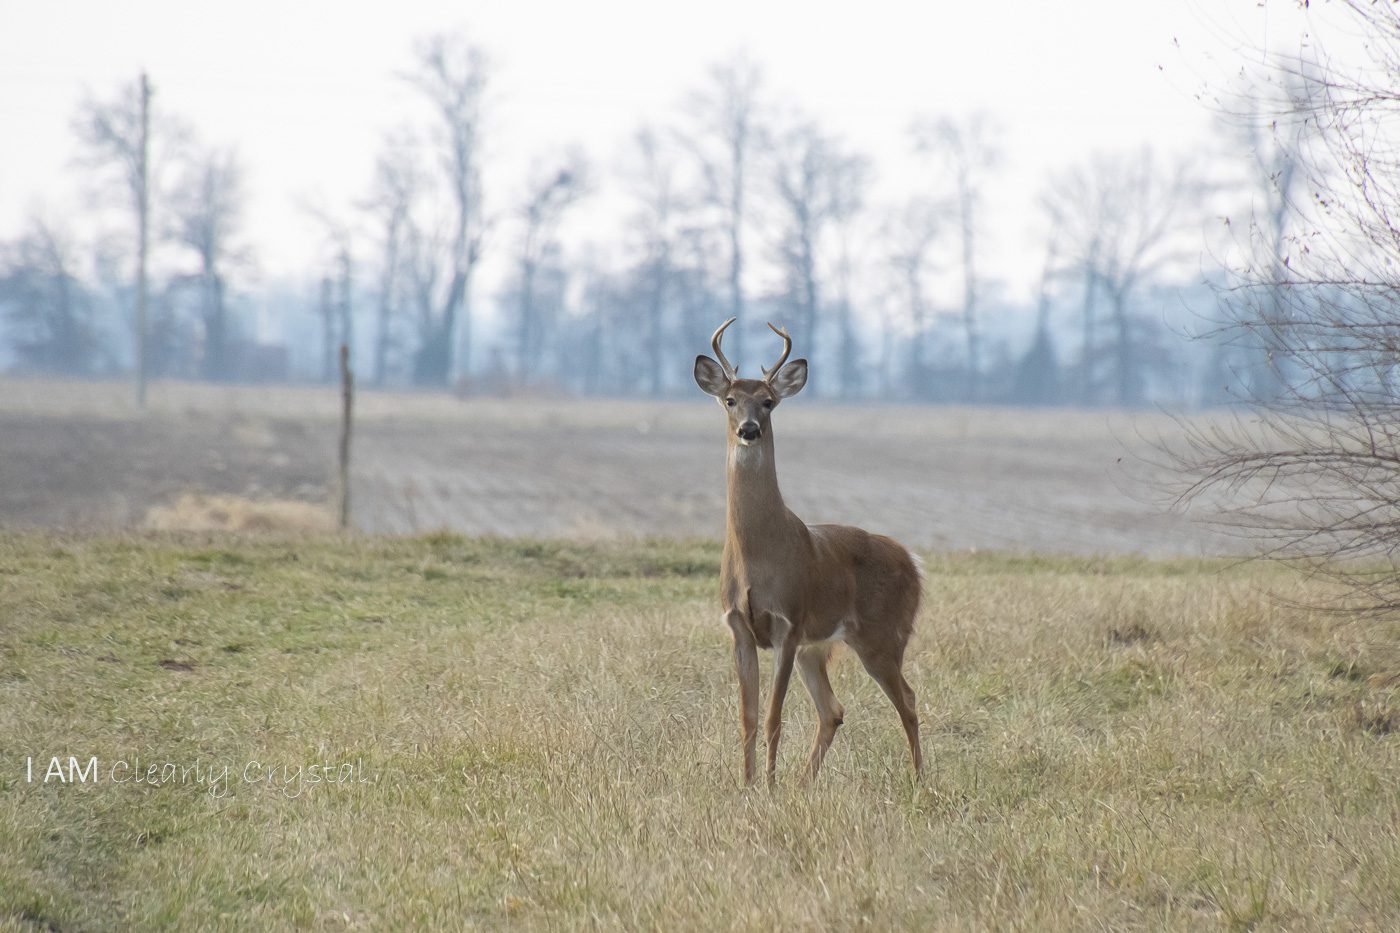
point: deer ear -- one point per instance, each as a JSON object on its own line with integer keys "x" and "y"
{"x": 790, "y": 379}
{"x": 710, "y": 377}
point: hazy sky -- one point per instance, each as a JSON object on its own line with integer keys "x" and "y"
{"x": 306, "y": 89}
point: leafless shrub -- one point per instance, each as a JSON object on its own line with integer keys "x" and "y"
{"x": 1309, "y": 465}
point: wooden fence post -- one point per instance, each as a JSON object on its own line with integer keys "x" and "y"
{"x": 347, "y": 401}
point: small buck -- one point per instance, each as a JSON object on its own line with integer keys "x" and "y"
{"x": 799, "y": 588}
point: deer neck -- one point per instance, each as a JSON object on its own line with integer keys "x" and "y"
{"x": 755, "y": 509}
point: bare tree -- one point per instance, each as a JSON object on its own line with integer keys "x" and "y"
{"x": 850, "y": 183}
{"x": 816, "y": 187}
{"x": 1124, "y": 221}
{"x": 701, "y": 284}
{"x": 658, "y": 204}
{"x": 966, "y": 151}
{"x": 336, "y": 308}
{"x": 1037, "y": 375}
{"x": 911, "y": 234}
{"x": 207, "y": 213}
{"x": 1276, "y": 125}
{"x": 1075, "y": 209}
{"x": 604, "y": 341}
{"x": 452, "y": 76}
{"x": 119, "y": 135}
{"x": 548, "y": 197}
{"x": 397, "y": 180}
{"x": 1310, "y": 468}
{"x": 802, "y": 196}
{"x": 724, "y": 136}
{"x": 590, "y": 326}
{"x": 45, "y": 302}
{"x": 424, "y": 244}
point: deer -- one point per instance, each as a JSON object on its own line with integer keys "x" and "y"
{"x": 800, "y": 589}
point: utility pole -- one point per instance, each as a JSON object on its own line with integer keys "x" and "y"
{"x": 143, "y": 222}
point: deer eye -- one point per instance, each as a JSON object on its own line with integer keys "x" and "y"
{"x": 768, "y": 403}
{"x": 729, "y": 402}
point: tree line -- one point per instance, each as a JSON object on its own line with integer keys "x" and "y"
{"x": 740, "y": 204}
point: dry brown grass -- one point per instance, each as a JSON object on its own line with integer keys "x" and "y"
{"x": 194, "y": 512}
{"x": 550, "y": 732}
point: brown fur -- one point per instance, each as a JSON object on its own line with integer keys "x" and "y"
{"x": 795, "y": 588}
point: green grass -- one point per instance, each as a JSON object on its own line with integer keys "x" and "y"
{"x": 549, "y": 737}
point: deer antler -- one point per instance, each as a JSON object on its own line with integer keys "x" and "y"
{"x": 768, "y": 374}
{"x": 730, "y": 371}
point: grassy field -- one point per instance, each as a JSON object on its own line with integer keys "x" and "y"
{"x": 544, "y": 735}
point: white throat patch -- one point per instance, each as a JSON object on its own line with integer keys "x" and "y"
{"x": 745, "y": 456}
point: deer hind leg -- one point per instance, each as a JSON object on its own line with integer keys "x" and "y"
{"x": 746, "y": 667}
{"x": 811, "y": 665}
{"x": 885, "y": 668}
{"x": 784, "y": 642}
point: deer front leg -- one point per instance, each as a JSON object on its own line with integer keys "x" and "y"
{"x": 784, "y": 652}
{"x": 746, "y": 667}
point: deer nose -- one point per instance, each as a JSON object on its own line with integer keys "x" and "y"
{"x": 748, "y": 431}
